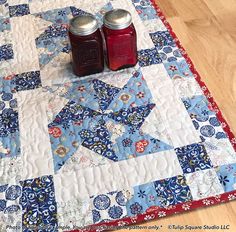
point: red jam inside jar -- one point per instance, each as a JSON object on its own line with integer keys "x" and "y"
{"x": 121, "y": 39}
{"x": 86, "y": 46}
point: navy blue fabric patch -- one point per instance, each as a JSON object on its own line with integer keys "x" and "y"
{"x": 52, "y": 31}
{"x": 193, "y": 158}
{"x": 8, "y": 122}
{"x": 6, "y": 52}
{"x": 172, "y": 191}
{"x": 104, "y": 146}
{"x": 19, "y": 10}
{"x": 39, "y": 205}
{"x": 73, "y": 112}
{"x": 26, "y": 81}
{"x": 148, "y": 57}
{"x": 105, "y": 93}
{"x": 3, "y": 2}
{"x": 161, "y": 39}
{"x": 133, "y": 117}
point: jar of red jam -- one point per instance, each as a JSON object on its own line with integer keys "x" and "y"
{"x": 121, "y": 39}
{"x": 86, "y": 45}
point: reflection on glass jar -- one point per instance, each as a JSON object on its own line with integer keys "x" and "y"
{"x": 87, "y": 45}
{"x": 121, "y": 39}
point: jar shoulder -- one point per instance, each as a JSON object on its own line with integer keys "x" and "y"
{"x": 96, "y": 36}
{"x": 127, "y": 31}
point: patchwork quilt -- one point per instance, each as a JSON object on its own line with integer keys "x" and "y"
{"x": 110, "y": 149}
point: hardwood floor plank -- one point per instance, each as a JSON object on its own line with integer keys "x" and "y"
{"x": 189, "y": 9}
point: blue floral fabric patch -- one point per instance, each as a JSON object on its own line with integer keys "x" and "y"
{"x": 39, "y": 205}
{"x": 9, "y": 198}
{"x": 10, "y": 145}
{"x": 148, "y": 57}
{"x": 85, "y": 93}
{"x": 108, "y": 207}
{"x": 26, "y": 81}
{"x": 166, "y": 46}
{"x": 53, "y": 31}
{"x": 76, "y": 125}
{"x": 145, "y": 9}
{"x": 134, "y": 117}
{"x": 6, "y": 52}
{"x": 91, "y": 126}
{"x": 8, "y": 122}
{"x": 9, "y": 125}
{"x": 193, "y": 158}
{"x": 162, "y": 39}
{"x": 54, "y": 39}
{"x": 144, "y": 197}
{"x": 134, "y": 93}
{"x": 170, "y": 54}
{"x": 56, "y": 16}
{"x": 178, "y": 69}
{"x": 227, "y": 176}
{"x": 69, "y": 129}
{"x": 104, "y": 93}
{"x": 172, "y": 191}
{"x": 63, "y": 147}
{"x": 99, "y": 141}
{"x": 19, "y": 10}
{"x": 73, "y": 112}
{"x": 137, "y": 144}
{"x": 203, "y": 118}
{"x": 80, "y": 92}
{"x": 197, "y": 107}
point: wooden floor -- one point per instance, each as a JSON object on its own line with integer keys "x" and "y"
{"x": 207, "y": 30}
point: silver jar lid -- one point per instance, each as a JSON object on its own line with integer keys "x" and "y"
{"x": 117, "y": 19}
{"x": 83, "y": 25}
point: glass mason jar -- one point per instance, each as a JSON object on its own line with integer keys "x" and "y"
{"x": 86, "y": 45}
{"x": 121, "y": 39}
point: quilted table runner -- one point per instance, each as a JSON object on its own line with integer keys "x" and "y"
{"x": 110, "y": 149}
